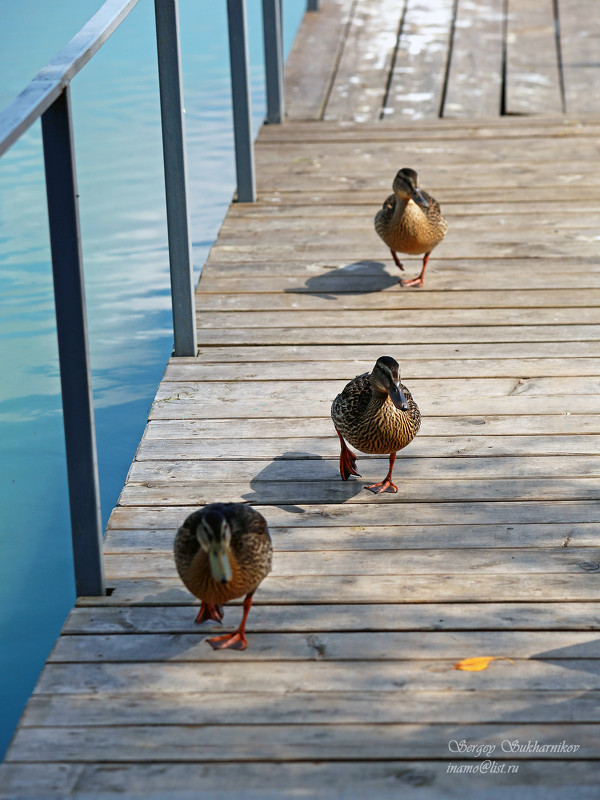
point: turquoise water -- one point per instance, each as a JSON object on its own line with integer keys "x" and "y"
{"x": 119, "y": 164}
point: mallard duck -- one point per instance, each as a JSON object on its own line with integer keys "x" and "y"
{"x": 223, "y": 551}
{"x": 410, "y": 222}
{"x": 376, "y": 414}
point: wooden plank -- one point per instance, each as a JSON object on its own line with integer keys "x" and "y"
{"x": 536, "y": 122}
{"x": 325, "y": 676}
{"x": 422, "y": 369}
{"x": 314, "y": 618}
{"x": 364, "y": 236}
{"x": 474, "y": 82}
{"x": 365, "y": 247}
{"x": 421, "y": 335}
{"x": 354, "y": 780}
{"x": 364, "y": 561}
{"x": 465, "y": 390}
{"x": 412, "y": 490}
{"x": 362, "y": 249}
{"x": 374, "y": 161}
{"x": 471, "y": 225}
{"x": 180, "y": 449}
{"x": 185, "y": 401}
{"x": 360, "y": 254}
{"x": 534, "y": 154}
{"x": 285, "y": 742}
{"x": 462, "y": 426}
{"x": 358, "y": 589}
{"x": 569, "y": 124}
{"x": 580, "y": 54}
{"x": 337, "y": 284}
{"x": 423, "y": 299}
{"x": 311, "y": 178}
{"x": 38, "y": 780}
{"x": 460, "y": 317}
{"x": 405, "y": 353}
{"x": 288, "y": 538}
{"x": 375, "y": 514}
{"x": 312, "y": 707}
{"x": 450, "y": 193}
{"x": 359, "y": 85}
{"x": 561, "y": 214}
{"x": 532, "y": 70}
{"x": 296, "y": 156}
{"x": 490, "y": 129}
{"x": 418, "y": 75}
{"x": 378, "y": 647}
{"x": 310, "y": 68}
{"x": 350, "y": 165}
{"x": 296, "y": 467}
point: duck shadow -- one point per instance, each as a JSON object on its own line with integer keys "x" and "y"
{"x": 360, "y": 277}
{"x": 296, "y": 478}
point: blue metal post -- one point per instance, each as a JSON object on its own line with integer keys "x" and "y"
{"x": 173, "y": 136}
{"x": 273, "y": 61}
{"x": 281, "y": 22}
{"x": 240, "y": 90}
{"x": 71, "y": 322}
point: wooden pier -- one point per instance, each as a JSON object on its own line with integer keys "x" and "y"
{"x": 490, "y": 548}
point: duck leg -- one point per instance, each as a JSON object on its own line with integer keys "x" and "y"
{"x": 347, "y": 460}
{"x": 397, "y": 261}
{"x": 236, "y": 640}
{"x": 417, "y": 281}
{"x": 209, "y": 611}
{"x": 386, "y": 484}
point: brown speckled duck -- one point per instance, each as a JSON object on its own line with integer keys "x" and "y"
{"x": 223, "y": 551}
{"x": 376, "y": 414}
{"x": 410, "y": 222}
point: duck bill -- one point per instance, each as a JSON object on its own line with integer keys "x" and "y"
{"x": 219, "y": 564}
{"x": 417, "y": 196}
{"x": 398, "y": 397}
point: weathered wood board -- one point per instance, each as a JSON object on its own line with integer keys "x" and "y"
{"x": 426, "y": 59}
{"x": 474, "y": 83}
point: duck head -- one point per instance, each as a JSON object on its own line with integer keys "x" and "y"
{"x": 385, "y": 379}
{"x": 406, "y": 187}
{"x": 214, "y": 537}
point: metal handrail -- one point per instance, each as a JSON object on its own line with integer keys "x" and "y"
{"x": 50, "y": 81}
{"x": 48, "y": 97}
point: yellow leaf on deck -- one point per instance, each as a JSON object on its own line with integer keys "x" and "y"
{"x": 478, "y": 663}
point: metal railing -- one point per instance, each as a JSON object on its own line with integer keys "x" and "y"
{"x": 48, "y": 97}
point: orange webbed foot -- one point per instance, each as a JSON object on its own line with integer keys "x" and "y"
{"x": 383, "y": 486}
{"x": 413, "y": 282}
{"x": 418, "y": 281}
{"x": 237, "y": 641}
{"x": 209, "y": 611}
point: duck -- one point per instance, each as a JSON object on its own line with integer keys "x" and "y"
{"x": 223, "y": 551}
{"x": 375, "y": 413}
{"x": 410, "y": 221}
